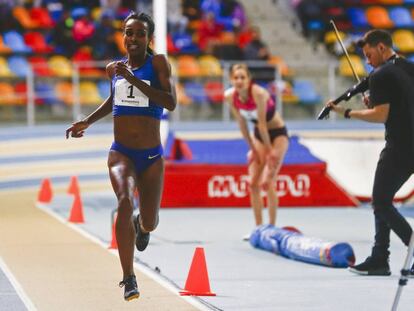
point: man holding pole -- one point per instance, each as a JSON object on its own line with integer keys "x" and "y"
{"x": 391, "y": 101}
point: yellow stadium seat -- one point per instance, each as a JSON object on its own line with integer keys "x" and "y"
{"x": 89, "y": 93}
{"x": 210, "y": 66}
{"x": 4, "y": 68}
{"x": 64, "y": 92}
{"x": 60, "y": 66}
{"x": 403, "y": 40}
{"x": 330, "y": 37}
{"x": 345, "y": 68}
{"x": 188, "y": 67}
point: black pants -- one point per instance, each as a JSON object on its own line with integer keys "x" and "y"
{"x": 393, "y": 170}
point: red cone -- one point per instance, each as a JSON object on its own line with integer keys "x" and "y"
{"x": 45, "y": 193}
{"x": 76, "y": 212}
{"x": 73, "y": 186}
{"x": 114, "y": 243}
{"x": 197, "y": 283}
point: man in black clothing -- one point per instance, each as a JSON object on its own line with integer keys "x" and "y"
{"x": 391, "y": 101}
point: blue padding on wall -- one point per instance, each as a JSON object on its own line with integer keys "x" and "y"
{"x": 233, "y": 151}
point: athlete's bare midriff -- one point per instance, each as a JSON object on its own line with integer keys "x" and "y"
{"x": 137, "y": 132}
{"x": 276, "y": 122}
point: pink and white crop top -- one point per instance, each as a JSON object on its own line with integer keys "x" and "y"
{"x": 248, "y": 109}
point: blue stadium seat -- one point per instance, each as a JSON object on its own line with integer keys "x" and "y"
{"x": 358, "y": 17}
{"x": 306, "y": 92}
{"x": 19, "y": 65}
{"x": 104, "y": 89}
{"x": 196, "y": 92}
{"x": 401, "y": 17}
{"x": 15, "y": 41}
{"x": 45, "y": 94}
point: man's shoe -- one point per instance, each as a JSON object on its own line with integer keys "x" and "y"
{"x": 372, "y": 266}
{"x": 130, "y": 288}
{"x": 142, "y": 239}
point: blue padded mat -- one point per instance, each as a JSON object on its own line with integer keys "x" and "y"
{"x": 233, "y": 151}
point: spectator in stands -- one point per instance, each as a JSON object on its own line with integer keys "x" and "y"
{"x": 191, "y": 9}
{"x": 250, "y": 102}
{"x": 83, "y": 30}
{"x": 104, "y": 46}
{"x": 391, "y": 102}
{"x": 256, "y": 49}
{"x": 209, "y": 33}
{"x": 135, "y": 159}
{"x": 62, "y": 35}
{"x": 308, "y": 11}
{"x": 235, "y": 12}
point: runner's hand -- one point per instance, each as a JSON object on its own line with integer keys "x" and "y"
{"x": 77, "y": 129}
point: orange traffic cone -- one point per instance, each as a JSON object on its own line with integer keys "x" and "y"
{"x": 114, "y": 243}
{"x": 76, "y": 212}
{"x": 197, "y": 283}
{"x": 45, "y": 193}
{"x": 73, "y": 186}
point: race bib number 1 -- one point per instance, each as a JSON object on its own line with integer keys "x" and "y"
{"x": 128, "y": 95}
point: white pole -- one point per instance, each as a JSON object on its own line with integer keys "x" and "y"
{"x": 160, "y": 20}
{"x": 160, "y": 47}
{"x": 30, "y": 97}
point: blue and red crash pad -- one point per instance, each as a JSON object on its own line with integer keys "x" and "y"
{"x": 294, "y": 245}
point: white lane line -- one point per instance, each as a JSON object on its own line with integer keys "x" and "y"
{"x": 142, "y": 268}
{"x": 17, "y": 287}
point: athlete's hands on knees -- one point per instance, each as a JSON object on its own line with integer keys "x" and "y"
{"x": 252, "y": 155}
{"x": 77, "y": 129}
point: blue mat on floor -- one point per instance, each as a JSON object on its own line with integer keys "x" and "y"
{"x": 233, "y": 151}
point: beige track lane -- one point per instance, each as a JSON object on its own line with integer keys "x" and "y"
{"x": 59, "y": 269}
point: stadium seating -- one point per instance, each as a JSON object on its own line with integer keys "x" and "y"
{"x": 195, "y": 90}
{"x": 403, "y": 40}
{"x": 345, "y": 68}
{"x": 358, "y": 18}
{"x": 20, "y": 91}
{"x": 60, "y": 66}
{"x": 4, "y": 49}
{"x": 64, "y": 92}
{"x": 89, "y": 94}
{"x": 306, "y": 92}
{"x": 209, "y": 66}
{"x": 187, "y": 66}
{"x": 5, "y": 71}
{"x": 41, "y": 17}
{"x": 8, "y": 97}
{"x": 401, "y": 17}
{"x": 22, "y": 15}
{"x": 182, "y": 98}
{"x": 15, "y": 41}
{"x": 214, "y": 91}
{"x": 19, "y": 66}
{"x": 104, "y": 88}
{"x": 40, "y": 66}
{"x": 377, "y": 17}
{"x": 37, "y": 42}
{"x": 45, "y": 93}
